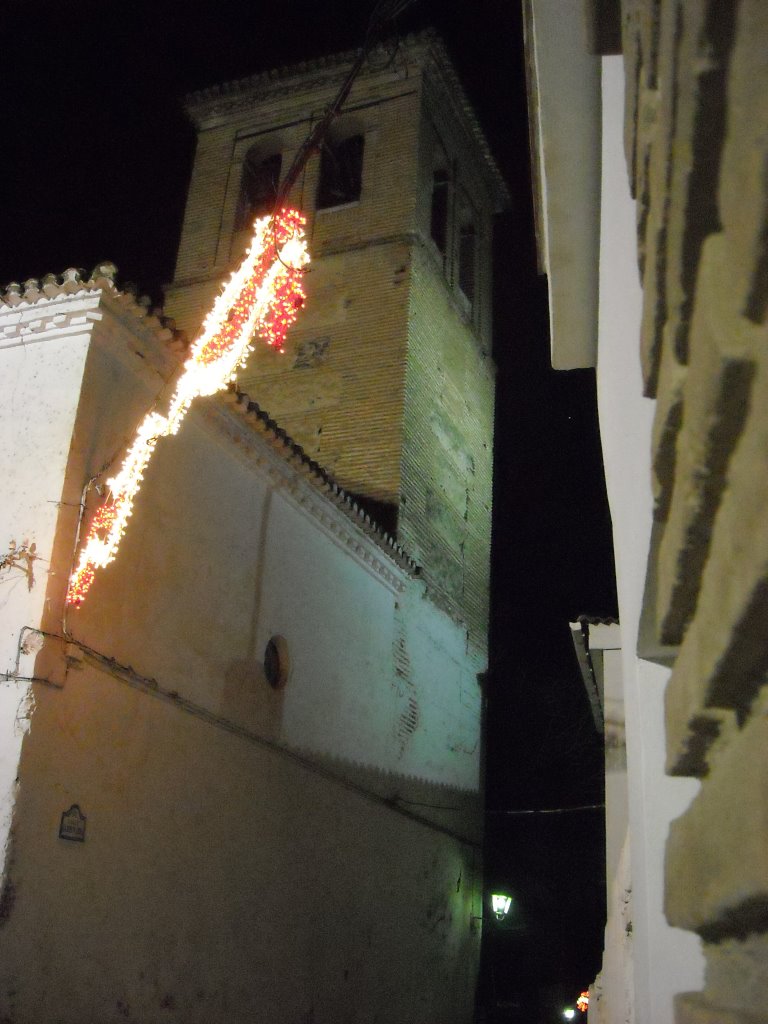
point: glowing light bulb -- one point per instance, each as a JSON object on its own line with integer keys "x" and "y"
{"x": 263, "y": 296}
{"x": 500, "y": 904}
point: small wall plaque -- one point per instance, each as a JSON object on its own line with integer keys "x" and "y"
{"x": 72, "y": 825}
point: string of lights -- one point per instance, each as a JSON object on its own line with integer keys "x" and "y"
{"x": 262, "y": 298}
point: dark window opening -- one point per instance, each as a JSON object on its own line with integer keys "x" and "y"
{"x": 341, "y": 172}
{"x": 439, "y": 214}
{"x": 259, "y": 188}
{"x": 467, "y": 260}
{"x": 277, "y": 662}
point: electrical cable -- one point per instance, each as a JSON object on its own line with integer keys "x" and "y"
{"x": 550, "y": 810}
{"x": 384, "y": 12}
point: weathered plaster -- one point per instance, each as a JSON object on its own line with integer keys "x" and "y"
{"x": 666, "y": 960}
{"x": 42, "y": 355}
{"x": 248, "y": 851}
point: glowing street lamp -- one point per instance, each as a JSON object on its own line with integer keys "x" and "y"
{"x": 570, "y": 1013}
{"x": 500, "y": 904}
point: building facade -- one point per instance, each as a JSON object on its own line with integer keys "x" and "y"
{"x": 650, "y": 149}
{"x": 388, "y": 381}
{"x": 243, "y": 781}
{"x": 597, "y": 643}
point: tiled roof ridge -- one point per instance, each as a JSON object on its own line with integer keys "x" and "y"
{"x": 72, "y": 281}
{"x": 320, "y": 477}
{"x": 597, "y": 620}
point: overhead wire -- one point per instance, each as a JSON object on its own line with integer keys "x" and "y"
{"x": 548, "y": 810}
{"x": 384, "y": 12}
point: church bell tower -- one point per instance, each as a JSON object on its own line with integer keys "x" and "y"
{"x": 387, "y": 379}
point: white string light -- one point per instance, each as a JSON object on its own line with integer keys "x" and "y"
{"x": 263, "y": 296}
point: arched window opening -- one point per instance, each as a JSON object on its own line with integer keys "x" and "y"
{"x": 259, "y": 188}
{"x": 341, "y": 172}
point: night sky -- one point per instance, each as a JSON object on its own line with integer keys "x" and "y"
{"x": 99, "y": 154}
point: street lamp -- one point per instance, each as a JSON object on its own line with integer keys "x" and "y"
{"x": 570, "y": 1013}
{"x": 500, "y": 904}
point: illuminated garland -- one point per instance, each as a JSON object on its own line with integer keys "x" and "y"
{"x": 262, "y": 297}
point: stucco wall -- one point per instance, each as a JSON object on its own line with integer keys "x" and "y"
{"x": 41, "y": 375}
{"x": 301, "y": 854}
{"x": 666, "y": 960}
{"x": 219, "y": 881}
{"x": 222, "y": 554}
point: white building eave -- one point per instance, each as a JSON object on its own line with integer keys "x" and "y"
{"x": 564, "y": 115}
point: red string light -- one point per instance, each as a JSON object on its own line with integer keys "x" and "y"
{"x": 263, "y": 297}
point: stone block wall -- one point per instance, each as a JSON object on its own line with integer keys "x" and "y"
{"x": 697, "y": 150}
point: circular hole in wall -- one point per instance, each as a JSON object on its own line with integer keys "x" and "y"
{"x": 276, "y": 662}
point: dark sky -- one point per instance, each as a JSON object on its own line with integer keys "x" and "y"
{"x": 99, "y": 154}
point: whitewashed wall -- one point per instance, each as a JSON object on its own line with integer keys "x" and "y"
{"x": 666, "y": 960}
{"x": 41, "y": 372}
{"x": 249, "y": 854}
